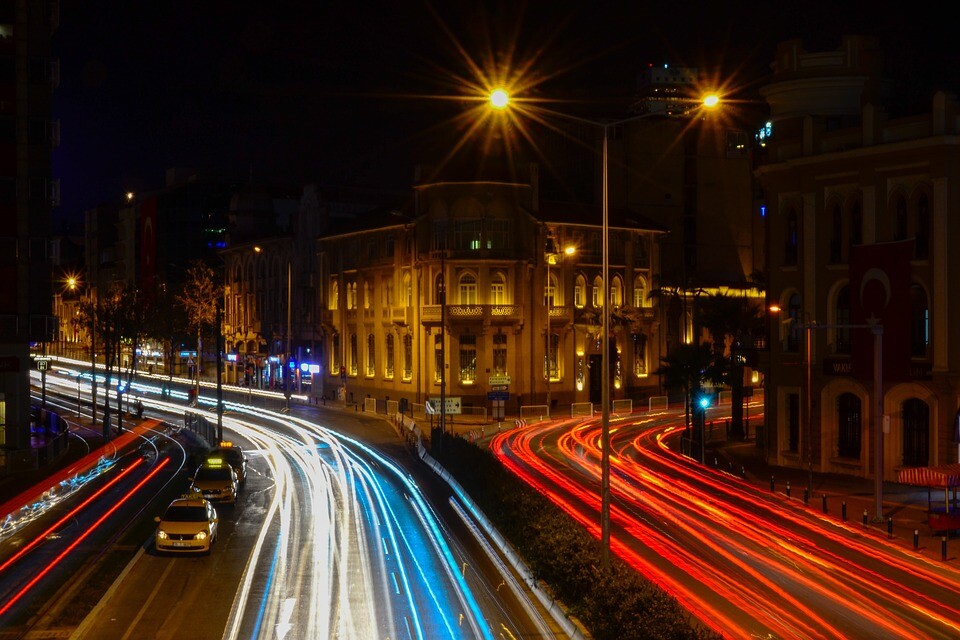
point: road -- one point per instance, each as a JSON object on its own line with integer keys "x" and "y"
{"x": 746, "y": 562}
{"x": 332, "y": 537}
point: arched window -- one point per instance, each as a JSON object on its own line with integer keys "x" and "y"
{"x": 468, "y": 288}
{"x": 498, "y": 288}
{"x": 580, "y": 292}
{"x": 849, "y": 418}
{"x": 616, "y": 292}
{"x": 856, "y": 223}
{"x": 468, "y": 358}
{"x": 334, "y": 301}
{"x": 407, "y": 290}
{"x": 793, "y": 329}
{"x": 919, "y": 322}
{"x": 551, "y": 366}
{"x": 916, "y": 432}
{"x": 550, "y": 291}
{"x": 367, "y": 294}
{"x": 922, "y": 236}
{"x": 371, "y": 355}
{"x": 836, "y": 235}
{"x": 388, "y": 357}
{"x": 335, "y": 353}
{"x": 791, "y": 239}
{"x": 841, "y": 334}
{"x": 438, "y": 289}
{"x": 407, "y": 357}
{"x": 353, "y": 354}
{"x": 900, "y": 219}
{"x": 596, "y": 294}
{"x": 351, "y": 295}
{"x": 640, "y": 292}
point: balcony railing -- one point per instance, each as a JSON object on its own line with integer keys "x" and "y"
{"x": 487, "y": 313}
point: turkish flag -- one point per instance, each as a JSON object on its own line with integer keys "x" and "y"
{"x": 880, "y": 294}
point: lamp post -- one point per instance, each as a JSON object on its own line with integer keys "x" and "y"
{"x": 499, "y": 99}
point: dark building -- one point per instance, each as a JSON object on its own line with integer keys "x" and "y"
{"x": 28, "y": 77}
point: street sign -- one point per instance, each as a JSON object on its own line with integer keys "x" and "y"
{"x": 498, "y": 379}
{"x": 452, "y": 405}
{"x": 43, "y": 363}
{"x": 498, "y": 395}
{"x": 499, "y": 387}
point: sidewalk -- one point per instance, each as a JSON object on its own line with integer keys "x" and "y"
{"x": 904, "y": 507}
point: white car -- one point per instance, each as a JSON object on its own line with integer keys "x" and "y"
{"x": 189, "y": 525}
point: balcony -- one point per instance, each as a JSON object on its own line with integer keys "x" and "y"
{"x": 488, "y": 314}
{"x": 402, "y": 316}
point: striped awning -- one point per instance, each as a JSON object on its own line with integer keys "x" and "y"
{"x": 947, "y": 475}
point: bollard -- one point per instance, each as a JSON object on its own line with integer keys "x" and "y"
{"x": 943, "y": 548}
{"x": 788, "y": 488}
{"x": 889, "y": 527}
{"x": 806, "y": 495}
{"x": 865, "y": 517}
{"x": 743, "y": 472}
{"x": 773, "y": 485}
{"x": 715, "y": 463}
{"x": 823, "y": 501}
{"x": 916, "y": 539}
{"x": 843, "y": 510}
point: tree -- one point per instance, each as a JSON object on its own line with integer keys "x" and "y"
{"x": 735, "y": 319}
{"x": 166, "y": 322}
{"x": 686, "y": 368}
{"x": 199, "y": 299}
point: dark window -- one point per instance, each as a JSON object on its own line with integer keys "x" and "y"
{"x": 916, "y": 433}
{"x": 856, "y": 224}
{"x": 793, "y": 422}
{"x": 836, "y": 233}
{"x": 842, "y": 344}
{"x": 919, "y": 322}
{"x": 792, "y": 239}
{"x": 922, "y": 246}
{"x": 793, "y": 336}
{"x": 900, "y": 220}
{"x": 848, "y": 426}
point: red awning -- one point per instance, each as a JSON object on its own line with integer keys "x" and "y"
{"x": 944, "y": 476}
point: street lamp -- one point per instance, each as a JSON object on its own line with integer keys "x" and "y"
{"x": 499, "y": 99}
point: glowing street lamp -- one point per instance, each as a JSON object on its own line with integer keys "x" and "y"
{"x": 500, "y": 100}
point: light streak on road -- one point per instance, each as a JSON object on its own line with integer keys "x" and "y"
{"x": 33, "y": 581}
{"x": 349, "y": 548}
{"x": 744, "y": 561}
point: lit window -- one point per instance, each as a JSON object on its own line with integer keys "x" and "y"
{"x": 468, "y": 358}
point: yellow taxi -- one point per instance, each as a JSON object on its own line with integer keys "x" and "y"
{"x": 189, "y": 525}
{"x": 216, "y": 480}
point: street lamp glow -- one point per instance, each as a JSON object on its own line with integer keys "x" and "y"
{"x": 711, "y": 100}
{"x": 499, "y": 98}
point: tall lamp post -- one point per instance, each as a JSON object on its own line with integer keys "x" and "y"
{"x": 500, "y": 99}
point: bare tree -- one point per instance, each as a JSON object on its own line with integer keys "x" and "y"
{"x": 199, "y": 300}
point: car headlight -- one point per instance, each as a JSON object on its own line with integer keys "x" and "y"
{"x": 161, "y": 534}
{"x": 201, "y": 536}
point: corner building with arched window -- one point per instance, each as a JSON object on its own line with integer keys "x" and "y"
{"x": 862, "y": 202}
{"x": 461, "y": 281}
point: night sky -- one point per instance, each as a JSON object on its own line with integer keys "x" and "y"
{"x": 350, "y": 92}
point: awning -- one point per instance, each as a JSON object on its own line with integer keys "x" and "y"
{"x": 940, "y": 477}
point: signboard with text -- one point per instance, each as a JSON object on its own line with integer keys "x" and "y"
{"x": 452, "y": 405}
{"x": 498, "y": 379}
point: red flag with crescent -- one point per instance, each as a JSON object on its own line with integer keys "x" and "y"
{"x": 880, "y": 293}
